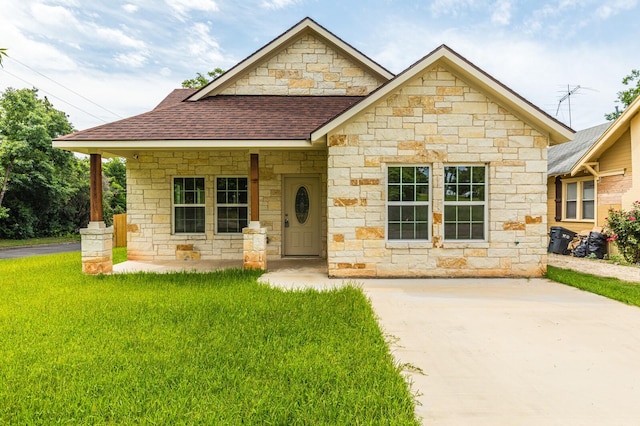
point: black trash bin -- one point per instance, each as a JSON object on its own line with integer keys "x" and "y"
{"x": 559, "y": 239}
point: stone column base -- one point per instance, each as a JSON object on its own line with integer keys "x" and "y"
{"x": 97, "y": 246}
{"x": 255, "y": 248}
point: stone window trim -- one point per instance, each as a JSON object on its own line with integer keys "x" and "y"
{"x": 188, "y": 205}
{"x": 579, "y": 197}
{"x": 408, "y": 203}
{"x": 466, "y": 197}
{"x": 231, "y": 204}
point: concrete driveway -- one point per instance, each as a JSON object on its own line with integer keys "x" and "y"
{"x": 507, "y": 351}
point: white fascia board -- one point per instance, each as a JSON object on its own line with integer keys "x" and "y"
{"x": 471, "y": 75}
{"x": 611, "y": 135}
{"x": 87, "y": 145}
{"x": 275, "y": 46}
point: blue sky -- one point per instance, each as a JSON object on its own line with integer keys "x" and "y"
{"x": 101, "y": 60}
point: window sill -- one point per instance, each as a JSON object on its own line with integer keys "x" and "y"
{"x": 578, "y": 220}
{"x": 189, "y": 236}
{"x": 227, "y": 236}
{"x": 466, "y": 244}
{"x": 405, "y": 244}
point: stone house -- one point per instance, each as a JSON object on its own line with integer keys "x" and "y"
{"x": 594, "y": 173}
{"x": 308, "y": 148}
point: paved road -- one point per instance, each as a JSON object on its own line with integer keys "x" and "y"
{"x": 14, "y": 253}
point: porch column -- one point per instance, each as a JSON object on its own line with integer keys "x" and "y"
{"x": 96, "y": 238}
{"x": 255, "y": 237}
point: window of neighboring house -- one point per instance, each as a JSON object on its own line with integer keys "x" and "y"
{"x": 465, "y": 207}
{"x": 408, "y": 202}
{"x": 232, "y": 195}
{"x": 188, "y": 205}
{"x": 579, "y": 201}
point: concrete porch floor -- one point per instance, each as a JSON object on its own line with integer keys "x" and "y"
{"x": 297, "y": 265}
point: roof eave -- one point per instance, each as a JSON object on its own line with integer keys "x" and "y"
{"x": 557, "y": 131}
{"x": 613, "y": 133}
{"x": 100, "y": 146}
{"x": 274, "y": 46}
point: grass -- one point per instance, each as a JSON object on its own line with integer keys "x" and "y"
{"x": 71, "y": 238}
{"x": 214, "y": 348}
{"x": 612, "y": 288}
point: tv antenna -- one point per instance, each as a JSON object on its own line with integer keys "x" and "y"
{"x": 567, "y": 98}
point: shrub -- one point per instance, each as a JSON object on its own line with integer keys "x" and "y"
{"x": 623, "y": 228}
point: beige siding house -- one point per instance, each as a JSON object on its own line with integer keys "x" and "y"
{"x": 308, "y": 148}
{"x": 594, "y": 173}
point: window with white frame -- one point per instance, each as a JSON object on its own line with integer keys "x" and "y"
{"x": 408, "y": 202}
{"x": 188, "y": 205}
{"x": 232, "y": 195}
{"x": 465, "y": 206}
{"x": 579, "y": 200}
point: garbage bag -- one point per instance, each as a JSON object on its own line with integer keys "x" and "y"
{"x": 582, "y": 249}
{"x": 597, "y": 244}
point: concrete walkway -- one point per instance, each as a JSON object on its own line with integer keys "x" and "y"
{"x": 506, "y": 351}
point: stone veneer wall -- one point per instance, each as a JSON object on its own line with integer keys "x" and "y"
{"x": 436, "y": 119}
{"x": 307, "y": 67}
{"x": 149, "y": 202}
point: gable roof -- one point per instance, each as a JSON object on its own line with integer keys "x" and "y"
{"x": 473, "y": 75}
{"x": 563, "y": 157}
{"x": 608, "y": 138}
{"x": 307, "y": 25}
{"x": 221, "y": 118}
{"x": 176, "y": 96}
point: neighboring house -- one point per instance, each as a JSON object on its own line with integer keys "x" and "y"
{"x": 309, "y": 148}
{"x": 594, "y": 173}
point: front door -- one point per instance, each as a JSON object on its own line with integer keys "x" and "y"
{"x": 301, "y": 211}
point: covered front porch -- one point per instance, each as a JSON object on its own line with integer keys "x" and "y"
{"x": 298, "y": 266}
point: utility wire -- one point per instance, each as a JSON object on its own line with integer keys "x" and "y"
{"x": 54, "y": 96}
{"x": 64, "y": 87}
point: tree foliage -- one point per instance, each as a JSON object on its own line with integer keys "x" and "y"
{"x": 200, "y": 80}
{"x": 114, "y": 188}
{"x": 37, "y": 192}
{"x": 625, "y": 97}
{"x": 3, "y": 52}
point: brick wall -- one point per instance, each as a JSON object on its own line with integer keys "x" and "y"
{"x": 307, "y": 67}
{"x": 149, "y": 203}
{"x": 436, "y": 119}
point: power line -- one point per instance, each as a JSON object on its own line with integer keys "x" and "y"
{"x": 66, "y": 88}
{"x": 54, "y": 96}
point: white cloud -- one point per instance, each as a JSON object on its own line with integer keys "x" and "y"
{"x": 203, "y": 46}
{"x": 133, "y": 60}
{"x": 502, "y": 12}
{"x": 449, "y": 7}
{"x": 53, "y": 16}
{"x": 183, "y": 7}
{"x": 278, "y": 4}
{"x": 113, "y": 36}
{"x": 131, "y": 8}
{"x": 611, "y": 8}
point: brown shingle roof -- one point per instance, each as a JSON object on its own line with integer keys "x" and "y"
{"x": 225, "y": 118}
{"x": 177, "y": 96}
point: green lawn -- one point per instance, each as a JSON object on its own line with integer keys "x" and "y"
{"x": 612, "y": 288}
{"x": 214, "y": 348}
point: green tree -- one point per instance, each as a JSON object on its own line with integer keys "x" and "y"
{"x": 3, "y": 52}
{"x": 201, "y": 80}
{"x": 625, "y": 97}
{"x": 114, "y": 188}
{"x": 38, "y": 183}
